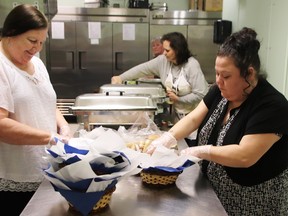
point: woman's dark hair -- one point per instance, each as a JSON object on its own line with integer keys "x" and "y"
{"x": 23, "y": 18}
{"x": 180, "y": 46}
{"x": 242, "y": 47}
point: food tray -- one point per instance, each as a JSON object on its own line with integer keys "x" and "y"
{"x": 101, "y": 109}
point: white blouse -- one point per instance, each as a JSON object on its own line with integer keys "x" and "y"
{"x": 30, "y": 100}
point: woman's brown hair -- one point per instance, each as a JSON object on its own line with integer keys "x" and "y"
{"x": 23, "y": 18}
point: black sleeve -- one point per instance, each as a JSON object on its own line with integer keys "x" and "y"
{"x": 213, "y": 93}
{"x": 269, "y": 116}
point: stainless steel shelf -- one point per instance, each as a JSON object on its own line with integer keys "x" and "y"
{"x": 102, "y": 14}
{"x": 184, "y": 17}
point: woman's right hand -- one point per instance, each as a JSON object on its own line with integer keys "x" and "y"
{"x": 166, "y": 139}
{"x": 116, "y": 80}
{"x": 55, "y": 137}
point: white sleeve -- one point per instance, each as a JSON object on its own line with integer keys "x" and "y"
{"x": 6, "y": 98}
{"x": 145, "y": 69}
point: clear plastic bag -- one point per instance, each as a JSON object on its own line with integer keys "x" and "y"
{"x": 141, "y": 133}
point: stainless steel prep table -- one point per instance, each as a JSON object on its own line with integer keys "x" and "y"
{"x": 131, "y": 198}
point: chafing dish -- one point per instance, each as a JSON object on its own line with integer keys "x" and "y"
{"x": 111, "y": 110}
{"x": 156, "y": 91}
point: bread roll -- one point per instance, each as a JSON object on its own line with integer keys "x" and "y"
{"x": 153, "y": 136}
{"x": 147, "y": 144}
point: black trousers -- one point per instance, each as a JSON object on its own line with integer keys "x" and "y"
{"x": 14, "y": 202}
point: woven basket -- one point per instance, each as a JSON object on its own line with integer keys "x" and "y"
{"x": 102, "y": 204}
{"x": 159, "y": 178}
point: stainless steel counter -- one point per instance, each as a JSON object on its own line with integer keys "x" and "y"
{"x": 193, "y": 195}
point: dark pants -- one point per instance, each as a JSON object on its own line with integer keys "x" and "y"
{"x": 14, "y": 202}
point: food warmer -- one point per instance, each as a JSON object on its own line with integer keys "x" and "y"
{"x": 111, "y": 110}
{"x": 156, "y": 91}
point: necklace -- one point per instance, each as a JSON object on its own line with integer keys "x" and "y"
{"x": 33, "y": 79}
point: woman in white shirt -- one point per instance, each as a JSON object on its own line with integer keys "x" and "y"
{"x": 29, "y": 119}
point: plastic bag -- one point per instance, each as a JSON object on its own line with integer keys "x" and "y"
{"x": 141, "y": 133}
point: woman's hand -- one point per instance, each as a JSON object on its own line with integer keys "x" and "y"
{"x": 55, "y": 137}
{"x": 116, "y": 80}
{"x": 172, "y": 96}
{"x": 202, "y": 152}
{"x": 166, "y": 139}
{"x": 65, "y": 133}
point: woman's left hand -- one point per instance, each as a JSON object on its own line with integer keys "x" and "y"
{"x": 202, "y": 152}
{"x": 172, "y": 96}
{"x": 65, "y": 133}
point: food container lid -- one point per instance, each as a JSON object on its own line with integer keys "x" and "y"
{"x": 149, "y": 80}
{"x": 155, "y": 90}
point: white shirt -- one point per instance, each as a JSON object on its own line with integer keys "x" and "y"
{"x": 30, "y": 100}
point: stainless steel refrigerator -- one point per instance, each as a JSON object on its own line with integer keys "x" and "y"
{"x": 94, "y": 45}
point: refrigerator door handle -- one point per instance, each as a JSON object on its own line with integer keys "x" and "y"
{"x": 70, "y": 59}
{"x": 118, "y": 60}
{"x": 81, "y": 59}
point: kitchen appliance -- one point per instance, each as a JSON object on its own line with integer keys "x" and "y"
{"x": 88, "y": 46}
{"x": 155, "y": 90}
{"x": 101, "y": 109}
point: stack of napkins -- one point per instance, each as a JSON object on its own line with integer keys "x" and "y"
{"x": 162, "y": 159}
{"x": 83, "y": 170}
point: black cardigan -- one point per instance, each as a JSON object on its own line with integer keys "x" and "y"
{"x": 264, "y": 111}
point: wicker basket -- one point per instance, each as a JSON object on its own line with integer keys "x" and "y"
{"x": 158, "y": 178}
{"x": 101, "y": 205}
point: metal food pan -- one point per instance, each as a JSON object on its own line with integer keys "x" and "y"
{"x": 102, "y": 109}
{"x": 149, "y": 80}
